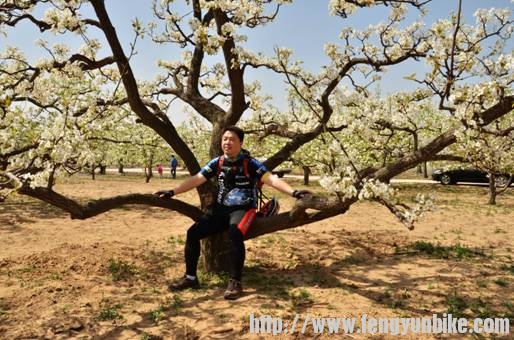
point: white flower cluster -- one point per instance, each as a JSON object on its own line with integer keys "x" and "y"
{"x": 90, "y": 48}
{"x": 202, "y": 36}
{"x": 243, "y": 12}
{"x": 59, "y": 139}
{"x": 497, "y": 15}
{"x": 62, "y": 20}
{"x": 346, "y": 187}
{"x": 342, "y": 186}
{"x": 342, "y": 6}
{"x": 487, "y": 150}
{"x": 239, "y": 13}
{"x": 259, "y": 103}
{"x": 424, "y": 203}
{"x": 470, "y": 99}
{"x": 372, "y": 188}
{"x": 484, "y": 70}
{"x": 395, "y": 40}
{"x": 215, "y": 81}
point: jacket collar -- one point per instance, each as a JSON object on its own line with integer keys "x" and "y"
{"x": 242, "y": 154}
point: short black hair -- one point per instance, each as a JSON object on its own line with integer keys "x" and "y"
{"x": 238, "y": 131}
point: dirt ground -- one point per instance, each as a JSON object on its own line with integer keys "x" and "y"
{"x": 106, "y": 277}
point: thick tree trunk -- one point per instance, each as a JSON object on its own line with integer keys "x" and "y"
{"x": 215, "y": 249}
{"x": 306, "y": 173}
{"x": 120, "y": 167}
{"x": 148, "y": 173}
{"x": 148, "y": 170}
{"x": 492, "y": 189}
{"x": 419, "y": 168}
{"x": 216, "y": 253}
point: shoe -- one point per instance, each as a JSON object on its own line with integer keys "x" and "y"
{"x": 184, "y": 283}
{"x": 234, "y": 290}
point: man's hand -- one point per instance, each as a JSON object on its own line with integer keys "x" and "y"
{"x": 299, "y": 194}
{"x": 165, "y": 193}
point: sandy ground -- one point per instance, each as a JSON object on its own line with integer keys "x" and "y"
{"x": 106, "y": 277}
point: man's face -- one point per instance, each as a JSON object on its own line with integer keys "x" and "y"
{"x": 230, "y": 144}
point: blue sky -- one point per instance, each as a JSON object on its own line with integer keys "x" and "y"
{"x": 304, "y": 27}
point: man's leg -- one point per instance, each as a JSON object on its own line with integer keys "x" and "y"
{"x": 234, "y": 289}
{"x": 206, "y": 226}
{"x": 237, "y": 244}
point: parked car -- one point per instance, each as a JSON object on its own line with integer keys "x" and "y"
{"x": 467, "y": 175}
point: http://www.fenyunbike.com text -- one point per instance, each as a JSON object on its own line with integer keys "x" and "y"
{"x": 437, "y": 324}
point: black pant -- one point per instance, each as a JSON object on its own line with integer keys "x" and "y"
{"x": 215, "y": 223}
{"x": 173, "y": 172}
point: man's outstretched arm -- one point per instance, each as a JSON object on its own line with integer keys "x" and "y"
{"x": 281, "y": 185}
{"x": 190, "y": 183}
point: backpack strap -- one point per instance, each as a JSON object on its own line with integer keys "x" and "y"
{"x": 246, "y": 161}
{"x": 245, "y": 165}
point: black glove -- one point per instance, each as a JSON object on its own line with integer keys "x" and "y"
{"x": 299, "y": 194}
{"x": 165, "y": 193}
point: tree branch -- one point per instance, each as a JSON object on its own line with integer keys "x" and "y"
{"x": 327, "y": 207}
{"x": 361, "y": 4}
{"x": 234, "y": 72}
{"x": 85, "y": 63}
{"x": 19, "y": 151}
{"x": 43, "y": 26}
{"x": 96, "y": 207}
{"x": 164, "y": 128}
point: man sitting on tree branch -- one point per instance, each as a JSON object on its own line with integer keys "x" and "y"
{"x": 235, "y": 206}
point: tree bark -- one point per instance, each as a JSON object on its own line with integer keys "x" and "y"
{"x": 306, "y": 173}
{"x": 216, "y": 253}
{"x": 215, "y": 249}
{"x": 99, "y": 206}
{"x": 492, "y": 189}
{"x": 416, "y": 147}
{"x": 149, "y": 170}
{"x": 120, "y": 167}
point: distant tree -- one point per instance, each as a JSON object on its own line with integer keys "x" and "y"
{"x": 491, "y": 149}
